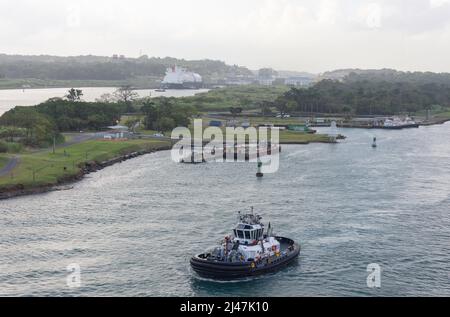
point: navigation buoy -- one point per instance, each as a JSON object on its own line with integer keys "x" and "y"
{"x": 259, "y": 174}
{"x": 374, "y": 144}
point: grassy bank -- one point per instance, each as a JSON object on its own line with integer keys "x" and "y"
{"x": 286, "y": 137}
{"x": 3, "y": 161}
{"x": 246, "y": 97}
{"x": 290, "y": 137}
{"x": 46, "y": 168}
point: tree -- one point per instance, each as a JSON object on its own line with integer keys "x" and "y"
{"x": 74, "y": 95}
{"x": 283, "y": 106}
{"x": 126, "y": 95}
{"x": 266, "y": 108}
{"x": 151, "y": 115}
{"x": 39, "y": 128}
{"x": 106, "y": 98}
{"x": 133, "y": 123}
{"x": 166, "y": 124}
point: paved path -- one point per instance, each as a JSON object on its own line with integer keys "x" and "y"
{"x": 14, "y": 161}
{"x": 78, "y": 138}
{"x": 9, "y": 166}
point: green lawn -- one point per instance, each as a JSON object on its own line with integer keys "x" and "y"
{"x": 246, "y": 97}
{"x": 48, "y": 168}
{"x": 443, "y": 114}
{"x": 275, "y": 121}
{"x": 287, "y": 137}
{"x": 3, "y": 161}
{"x": 254, "y": 121}
{"x": 292, "y": 137}
{"x": 437, "y": 113}
{"x": 150, "y": 132}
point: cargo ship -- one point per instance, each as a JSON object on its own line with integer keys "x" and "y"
{"x": 179, "y": 78}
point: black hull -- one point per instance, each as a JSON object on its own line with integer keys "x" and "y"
{"x": 228, "y": 271}
{"x": 406, "y": 126}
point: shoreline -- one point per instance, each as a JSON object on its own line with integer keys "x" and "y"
{"x": 436, "y": 121}
{"x": 94, "y": 166}
{"x": 89, "y": 167}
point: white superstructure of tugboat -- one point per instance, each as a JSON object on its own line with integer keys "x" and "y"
{"x": 251, "y": 250}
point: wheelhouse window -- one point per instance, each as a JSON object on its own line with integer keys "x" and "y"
{"x": 247, "y": 235}
{"x": 240, "y": 234}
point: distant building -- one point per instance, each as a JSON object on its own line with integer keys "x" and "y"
{"x": 266, "y": 81}
{"x": 239, "y": 81}
{"x": 298, "y": 81}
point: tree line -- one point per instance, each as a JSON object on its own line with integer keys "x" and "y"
{"x": 366, "y": 96}
{"x": 106, "y": 68}
{"x": 40, "y": 125}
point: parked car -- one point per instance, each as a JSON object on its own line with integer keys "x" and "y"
{"x": 284, "y": 116}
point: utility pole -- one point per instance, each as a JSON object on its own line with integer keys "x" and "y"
{"x": 54, "y": 143}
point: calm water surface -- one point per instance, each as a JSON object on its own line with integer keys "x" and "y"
{"x": 132, "y": 227}
{"x": 10, "y": 98}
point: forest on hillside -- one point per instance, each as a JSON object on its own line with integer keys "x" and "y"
{"x": 107, "y": 68}
{"x": 370, "y": 93}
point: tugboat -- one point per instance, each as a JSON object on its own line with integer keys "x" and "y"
{"x": 250, "y": 251}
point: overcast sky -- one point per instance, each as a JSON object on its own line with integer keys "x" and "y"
{"x": 303, "y": 35}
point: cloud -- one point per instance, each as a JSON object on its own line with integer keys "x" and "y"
{"x": 313, "y": 35}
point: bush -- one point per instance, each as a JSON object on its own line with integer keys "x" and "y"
{"x": 14, "y": 147}
{"x": 3, "y": 147}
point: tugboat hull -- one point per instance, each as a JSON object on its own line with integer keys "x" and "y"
{"x": 229, "y": 270}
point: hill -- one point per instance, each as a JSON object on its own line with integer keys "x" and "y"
{"x": 14, "y": 68}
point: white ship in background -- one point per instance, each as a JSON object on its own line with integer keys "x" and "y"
{"x": 180, "y": 78}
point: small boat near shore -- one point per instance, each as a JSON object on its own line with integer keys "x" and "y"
{"x": 251, "y": 250}
{"x": 398, "y": 124}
